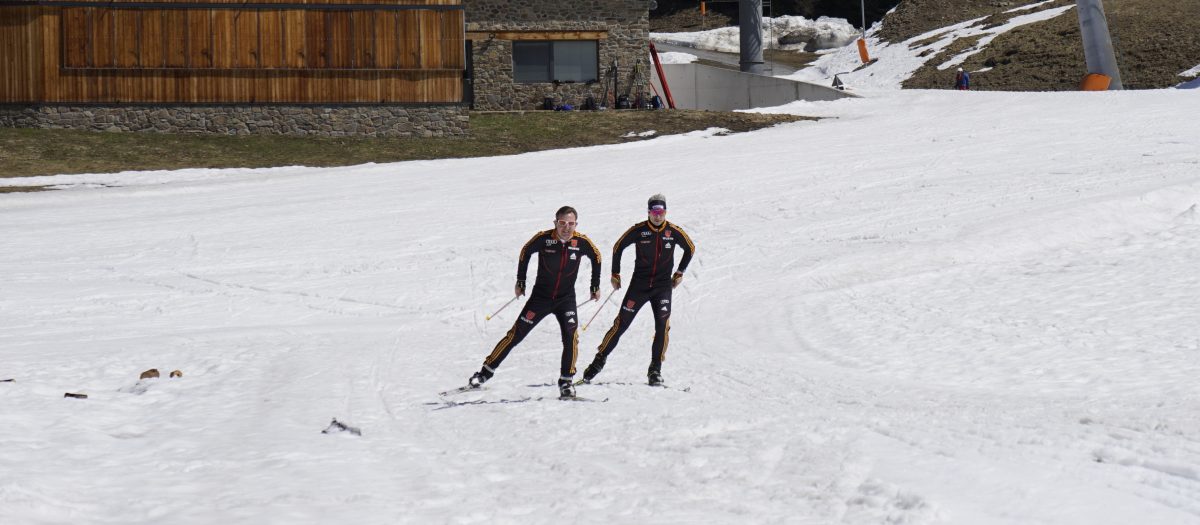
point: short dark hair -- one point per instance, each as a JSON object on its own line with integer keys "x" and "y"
{"x": 565, "y": 210}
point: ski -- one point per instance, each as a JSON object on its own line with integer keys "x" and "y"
{"x": 454, "y": 404}
{"x": 564, "y": 398}
{"x": 626, "y": 383}
{"x": 582, "y": 399}
{"x": 668, "y": 387}
{"x": 460, "y": 390}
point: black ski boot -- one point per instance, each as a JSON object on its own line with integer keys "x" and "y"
{"x": 594, "y": 369}
{"x": 479, "y": 378}
{"x": 566, "y": 387}
{"x": 654, "y": 378}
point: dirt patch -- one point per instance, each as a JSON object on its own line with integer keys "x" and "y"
{"x": 913, "y": 18}
{"x": 28, "y": 152}
{"x": 22, "y": 189}
{"x": 689, "y": 20}
{"x": 796, "y": 59}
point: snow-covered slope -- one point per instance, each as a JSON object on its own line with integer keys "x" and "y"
{"x": 932, "y": 307}
{"x": 893, "y": 63}
{"x": 896, "y": 62}
{"x": 1194, "y": 75}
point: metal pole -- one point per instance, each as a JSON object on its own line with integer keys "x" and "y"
{"x": 863, "y": 5}
{"x": 662, "y": 79}
{"x": 862, "y": 42}
{"x": 1097, "y": 43}
{"x": 598, "y": 308}
{"x": 510, "y": 301}
{"x": 750, "y": 36}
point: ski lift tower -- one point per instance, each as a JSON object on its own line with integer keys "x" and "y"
{"x": 1097, "y": 42}
{"x": 750, "y": 36}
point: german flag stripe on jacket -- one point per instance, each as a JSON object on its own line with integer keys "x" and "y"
{"x": 558, "y": 263}
{"x": 655, "y": 251}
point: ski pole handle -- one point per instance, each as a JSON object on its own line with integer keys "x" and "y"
{"x": 589, "y": 323}
{"x": 510, "y": 301}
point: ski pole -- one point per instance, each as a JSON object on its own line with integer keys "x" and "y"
{"x": 589, "y": 323}
{"x": 510, "y": 301}
{"x": 580, "y": 305}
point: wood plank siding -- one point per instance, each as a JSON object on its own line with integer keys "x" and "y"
{"x": 225, "y": 51}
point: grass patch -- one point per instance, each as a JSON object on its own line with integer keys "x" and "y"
{"x": 29, "y": 152}
{"x": 22, "y": 189}
{"x": 794, "y": 59}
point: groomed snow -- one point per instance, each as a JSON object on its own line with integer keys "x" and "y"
{"x": 930, "y": 307}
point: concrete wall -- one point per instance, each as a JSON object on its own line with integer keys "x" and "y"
{"x": 697, "y": 86}
{"x": 627, "y": 23}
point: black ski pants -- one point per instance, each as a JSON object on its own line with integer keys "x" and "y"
{"x": 659, "y": 298}
{"x": 537, "y": 308}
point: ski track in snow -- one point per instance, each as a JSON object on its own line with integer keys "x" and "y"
{"x": 930, "y": 307}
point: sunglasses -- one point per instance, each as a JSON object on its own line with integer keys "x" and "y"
{"x": 657, "y": 210}
{"x": 567, "y": 223}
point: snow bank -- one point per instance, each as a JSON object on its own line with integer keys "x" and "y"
{"x": 672, "y": 57}
{"x": 824, "y": 33}
{"x": 1194, "y": 74}
{"x": 145, "y": 178}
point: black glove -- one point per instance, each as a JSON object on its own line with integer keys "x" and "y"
{"x": 595, "y": 293}
{"x": 520, "y": 288}
{"x": 676, "y": 279}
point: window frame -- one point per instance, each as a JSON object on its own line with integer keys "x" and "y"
{"x": 549, "y": 73}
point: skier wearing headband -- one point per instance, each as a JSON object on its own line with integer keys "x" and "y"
{"x": 652, "y": 282}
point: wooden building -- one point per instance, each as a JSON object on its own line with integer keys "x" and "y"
{"x": 372, "y": 67}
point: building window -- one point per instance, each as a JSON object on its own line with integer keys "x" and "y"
{"x": 556, "y": 61}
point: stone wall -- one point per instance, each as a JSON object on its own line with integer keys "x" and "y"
{"x": 321, "y": 121}
{"x": 626, "y": 21}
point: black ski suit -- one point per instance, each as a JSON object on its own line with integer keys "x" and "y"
{"x": 651, "y": 282}
{"x": 553, "y": 293}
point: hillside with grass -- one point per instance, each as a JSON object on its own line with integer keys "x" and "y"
{"x": 1156, "y": 42}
